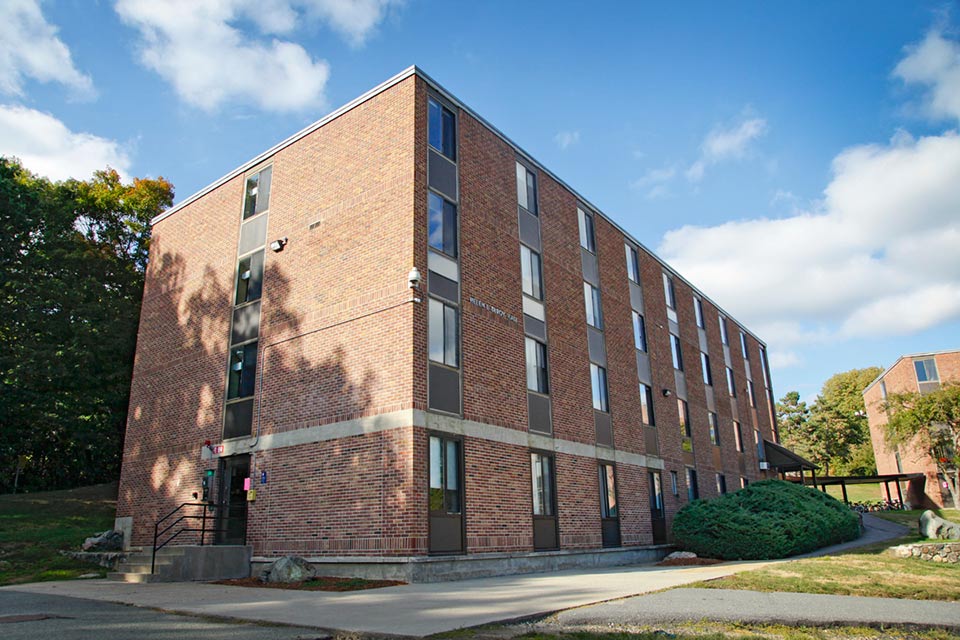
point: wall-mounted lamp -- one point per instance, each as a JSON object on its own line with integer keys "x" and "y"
{"x": 666, "y": 393}
{"x": 277, "y": 245}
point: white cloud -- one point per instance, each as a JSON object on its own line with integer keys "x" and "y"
{"x": 565, "y": 139}
{"x": 654, "y": 182}
{"x": 784, "y": 359}
{"x": 29, "y": 47}
{"x": 726, "y": 143}
{"x": 47, "y": 147}
{"x": 202, "y": 49}
{"x": 934, "y": 63}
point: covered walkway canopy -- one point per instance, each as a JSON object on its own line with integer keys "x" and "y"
{"x": 885, "y": 480}
{"x": 786, "y": 461}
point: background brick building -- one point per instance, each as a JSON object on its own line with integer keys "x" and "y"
{"x": 549, "y": 383}
{"x": 917, "y": 373}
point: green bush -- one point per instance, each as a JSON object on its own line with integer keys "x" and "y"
{"x": 766, "y": 520}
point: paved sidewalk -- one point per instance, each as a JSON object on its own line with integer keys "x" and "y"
{"x": 419, "y": 609}
{"x": 756, "y": 607}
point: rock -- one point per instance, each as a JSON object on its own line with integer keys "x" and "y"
{"x": 288, "y": 569}
{"x": 934, "y": 527}
{"x": 681, "y": 555}
{"x": 104, "y": 541}
{"x": 87, "y": 576}
{"x": 903, "y": 551}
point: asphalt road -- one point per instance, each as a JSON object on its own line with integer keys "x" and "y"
{"x": 30, "y": 616}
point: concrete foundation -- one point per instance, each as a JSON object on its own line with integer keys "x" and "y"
{"x": 414, "y": 569}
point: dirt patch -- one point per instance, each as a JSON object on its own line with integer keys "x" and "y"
{"x": 688, "y": 562}
{"x": 322, "y": 583}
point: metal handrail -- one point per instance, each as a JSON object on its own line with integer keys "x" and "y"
{"x": 203, "y": 530}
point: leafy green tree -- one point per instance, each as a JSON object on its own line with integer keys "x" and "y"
{"x": 793, "y": 418}
{"x": 933, "y": 421}
{"x": 72, "y": 258}
{"x": 839, "y": 418}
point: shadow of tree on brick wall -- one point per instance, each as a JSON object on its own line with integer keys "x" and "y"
{"x": 180, "y": 374}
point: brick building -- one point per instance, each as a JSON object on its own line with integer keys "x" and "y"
{"x": 917, "y": 373}
{"x": 395, "y": 335}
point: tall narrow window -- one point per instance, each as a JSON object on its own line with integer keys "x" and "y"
{"x": 731, "y": 384}
{"x": 443, "y": 130}
{"x": 608, "y": 491}
{"x": 444, "y": 333}
{"x": 698, "y": 311}
{"x": 744, "y": 482}
{"x": 598, "y": 383}
{"x": 530, "y": 269}
{"x": 683, "y": 414}
{"x": 674, "y": 485}
{"x": 543, "y": 482}
{"x": 743, "y": 346}
{"x": 587, "y": 240}
{"x": 249, "y": 278}
{"x": 536, "y": 366}
{"x": 443, "y": 224}
{"x": 705, "y": 365}
{"x": 243, "y": 371}
{"x": 445, "y": 494}
{"x": 761, "y": 450}
{"x": 750, "y": 394}
{"x": 721, "y": 484}
{"x": 738, "y": 436}
{"x": 723, "y": 331}
{"x": 693, "y": 491}
{"x": 526, "y": 189}
{"x": 669, "y": 293}
{"x": 591, "y": 298}
{"x": 656, "y": 494}
{"x": 714, "y": 428}
{"x": 766, "y": 367}
{"x": 676, "y": 352}
{"x": 257, "y": 193}
{"x": 633, "y": 265}
{"x": 639, "y": 332}
{"x": 646, "y": 405}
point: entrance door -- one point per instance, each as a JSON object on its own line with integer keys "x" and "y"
{"x": 544, "y": 503}
{"x": 446, "y": 495}
{"x": 232, "y": 508}
{"x": 609, "y": 508}
{"x": 657, "y": 516}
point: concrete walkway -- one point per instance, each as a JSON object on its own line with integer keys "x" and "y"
{"x": 416, "y": 609}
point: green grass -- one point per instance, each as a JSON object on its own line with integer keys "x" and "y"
{"x": 912, "y": 518}
{"x": 868, "y": 571}
{"x": 35, "y": 526}
{"x": 861, "y": 492}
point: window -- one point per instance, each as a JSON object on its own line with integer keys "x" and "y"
{"x": 536, "y": 366}
{"x": 683, "y": 413}
{"x": 444, "y": 334}
{"x": 721, "y": 484}
{"x": 766, "y": 367}
{"x": 608, "y": 491}
{"x": 750, "y": 394}
{"x": 243, "y": 371}
{"x": 731, "y": 385}
{"x": 587, "y": 240}
{"x": 668, "y": 292}
{"x": 738, "y": 436}
{"x": 761, "y": 451}
{"x": 257, "y": 193}
{"x": 656, "y": 494}
{"x": 598, "y": 382}
{"x": 723, "y": 331}
{"x": 883, "y": 390}
{"x": 698, "y": 311}
{"x": 926, "y": 370}
{"x": 646, "y": 405}
{"x": 639, "y": 332}
{"x": 633, "y": 266}
{"x": 674, "y": 485}
{"x": 541, "y": 467}
{"x": 705, "y": 365}
{"x": 693, "y": 491}
{"x": 443, "y": 130}
{"x": 714, "y": 428}
{"x": 591, "y": 298}
{"x": 443, "y": 224}
{"x": 676, "y": 352}
{"x": 531, "y": 270}
{"x": 526, "y": 189}
{"x": 249, "y": 278}
{"x": 743, "y": 482}
{"x": 743, "y": 346}
{"x": 445, "y": 495}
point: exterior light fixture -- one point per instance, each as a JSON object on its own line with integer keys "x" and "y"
{"x": 666, "y": 393}
{"x": 277, "y": 245}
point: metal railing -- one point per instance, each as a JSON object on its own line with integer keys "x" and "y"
{"x": 218, "y": 516}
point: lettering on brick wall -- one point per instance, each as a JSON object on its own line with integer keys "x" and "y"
{"x": 498, "y": 312}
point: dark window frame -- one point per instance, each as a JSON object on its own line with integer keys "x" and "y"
{"x": 449, "y": 224}
{"x": 639, "y": 331}
{"x": 540, "y": 365}
{"x": 259, "y": 202}
{"x": 447, "y": 136}
{"x": 430, "y": 333}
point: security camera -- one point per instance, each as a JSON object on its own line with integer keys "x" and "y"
{"x": 414, "y": 278}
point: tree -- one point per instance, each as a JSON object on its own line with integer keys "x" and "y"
{"x": 72, "y": 258}
{"x": 933, "y": 421}
{"x": 793, "y": 417}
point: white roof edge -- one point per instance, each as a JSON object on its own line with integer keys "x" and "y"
{"x": 436, "y": 86}
{"x": 904, "y": 357}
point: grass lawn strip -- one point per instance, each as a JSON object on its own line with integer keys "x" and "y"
{"x": 911, "y": 518}
{"x": 320, "y": 583}
{"x": 35, "y": 527}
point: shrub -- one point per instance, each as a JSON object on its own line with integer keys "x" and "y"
{"x": 766, "y": 520}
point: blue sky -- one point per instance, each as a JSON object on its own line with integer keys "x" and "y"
{"x": 819, "y": 139}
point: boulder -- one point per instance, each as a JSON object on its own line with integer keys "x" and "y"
{"x": 681, "y": 555}
{"x": 934, "y": 527}
{"x": 288, "y": 569}
{"x": 104, "y": 541}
